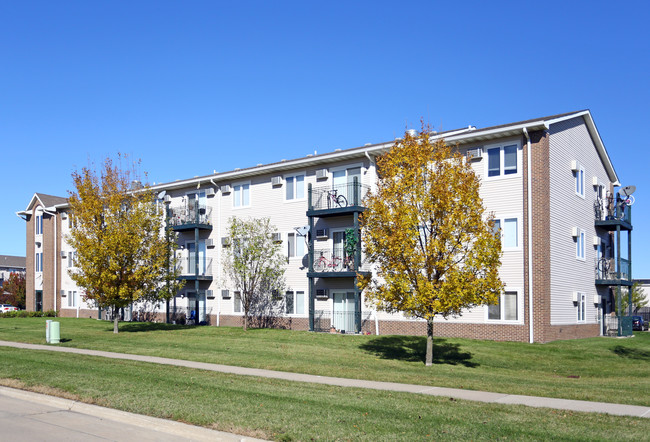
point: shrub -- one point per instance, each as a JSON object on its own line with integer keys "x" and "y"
{"x": 26, "y": 314}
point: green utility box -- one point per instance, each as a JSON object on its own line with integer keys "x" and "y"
{"x": 55, "y": 332}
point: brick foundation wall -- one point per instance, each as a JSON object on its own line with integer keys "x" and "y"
{"x": 72, "y": 313}
{"x": 571, "y": 331}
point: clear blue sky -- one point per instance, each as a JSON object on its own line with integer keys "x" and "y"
{"x": 195, "y": 86}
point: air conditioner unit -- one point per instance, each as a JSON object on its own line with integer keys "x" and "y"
{"x": 64, "y": 215}
{"x": 209, "y": 294}
{"x": 225, "y": 294}
{"x": 277, "y": 237}
{"x": 322, "y": 234}
{"x": 575, "y": 166}
{"x": 225, "y": 241}
{"x": 276, "y": 181}
{"x": 475, "y": 154}
{"x": 574, "y": 232}
{"x": 167, "y": 199}
{"x": 226, "y": 188}
{"x": 321, "y": 174}
{"x": 210, "y": 192}
{"x": 321, "y": 293}
{"x": 209, "y": 242}
{"x": 596, "y": 240}
{"x": 596, "y": 299}
{"x": 63, "y": 254}
{"x": 594, "y": 181}
{"x": 62, "y": 293}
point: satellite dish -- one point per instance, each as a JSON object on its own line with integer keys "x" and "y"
{"x": 627, "y": 191}
{"x": 162, "y": 194}
{"x": 302, "y": 231}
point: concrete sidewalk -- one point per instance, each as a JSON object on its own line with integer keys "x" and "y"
{"x": 471, "y": 395}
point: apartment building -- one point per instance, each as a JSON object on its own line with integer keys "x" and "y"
{"x": 11, "y": 264}
{"x": 548, "y": 181}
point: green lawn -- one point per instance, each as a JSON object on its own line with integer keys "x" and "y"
{"x": 281, "y": 410}
{"x": 597, "y": 369}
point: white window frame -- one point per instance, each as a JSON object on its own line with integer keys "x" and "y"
{"x": 518, "y": 320}
{"x": 293, "y": 177}
{"x": 38, "y": 223}
{"x": 39, "y": 262}
{"x": 581, "y": 307}
{"x": 579, "y": 181}
{"x": 237, "y": 306}
{"x": 241, "y": 185}
{"x": 502, "y": 175}
{"x": 502, "y": 222}
{"x": 73, "y": 299}
{"x": 297, "y": 239}
{"x": 295, "y": 294}
{"x": 580, "y": 245}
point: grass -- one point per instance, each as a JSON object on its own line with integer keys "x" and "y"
{"x": 285, "y": 411}
{"x": 596, "y": 369}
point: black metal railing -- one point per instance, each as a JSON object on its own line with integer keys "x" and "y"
{"x": 188, "y": 266}
{"x": 619, "y": 211}
{"x": 336, "y": 260}
{"x": 336, "y": 322}
{"x": 606, "y": 269}
{"x": 337, "y": 196}
{"x": 183, "y": 215}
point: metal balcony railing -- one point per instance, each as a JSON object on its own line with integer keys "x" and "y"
{"x": 338, "y": 196}
{"x": 188, "y": 267}
{"x": 606, "y": 269}
{"x": 183, "y": 215}
{"x": 612, "y": 212}
{"x": 328, "y": 260}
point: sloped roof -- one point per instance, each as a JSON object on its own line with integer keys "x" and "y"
{"x": 16, "y": 262}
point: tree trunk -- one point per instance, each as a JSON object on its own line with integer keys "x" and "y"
{"x": 115, "y": 320}
{"x": 429, "y": 357}
{"x": 245, "y": 321}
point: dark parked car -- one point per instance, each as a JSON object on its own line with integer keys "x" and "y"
{"x": 639, "y": 324}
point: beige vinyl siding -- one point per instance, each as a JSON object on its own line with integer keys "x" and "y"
{"x": 569, "y": 141}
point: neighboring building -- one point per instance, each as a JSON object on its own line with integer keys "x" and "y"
{"x": 549, "y": 181}
{"x": 11, "y": 264}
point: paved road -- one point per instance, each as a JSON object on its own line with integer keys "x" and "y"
{"x": 27, "y": 416}
{"x": 456, "y": 393}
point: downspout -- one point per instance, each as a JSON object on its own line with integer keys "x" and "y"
{"x": 53, "y": 214}
{"x": 530, "y": 237}
{"x": 219, "y": 300}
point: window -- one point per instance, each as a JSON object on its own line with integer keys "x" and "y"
{"x": 39, "y": 224}
{"x": 296, "y": 244}
{"x": 295, "y": 303}
{"x": 73, "y": 299}
{"x": 241, "y": 194}
{"x": 582, "y": 305}
{"x": 237, "y": 301}
{"x": 505, "y": 309}
{"x": 39, "y": 262}
{"x": 580, "y": 245}
{"x": 295, "y": 187}
{"x": 502, "y": 161}
{"x": 72, "y": 256}
{"x": 509, "y": 228}
{"x": 580, "y": 181}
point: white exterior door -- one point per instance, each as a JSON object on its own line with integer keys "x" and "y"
{"x": 343, "y": 312}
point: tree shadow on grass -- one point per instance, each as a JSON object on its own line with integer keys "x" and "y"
{"x": 138, "y": 327}
{"x": 413, "y": 349}
{"x": 632, "y": 353}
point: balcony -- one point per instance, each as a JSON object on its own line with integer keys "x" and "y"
{"x": 615, "y": 216}
{"x": 336, "y": 200}
{"x": 330, "y": 263}
{"x": 189, "y": 272}
{"x": 186, "y": 218}
{"x": 608, "y": 274}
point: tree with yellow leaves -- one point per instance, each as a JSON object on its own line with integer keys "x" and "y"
{"x": 123, "y": 252}
{"x": 425, "y": 228}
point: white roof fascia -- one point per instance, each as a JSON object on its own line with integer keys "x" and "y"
{"x": 478, "y": 133}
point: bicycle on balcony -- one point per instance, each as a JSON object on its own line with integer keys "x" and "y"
{"x": 603, "y": 267}
{"x": 335, "y": 200}
{"x": 322, "y": 264}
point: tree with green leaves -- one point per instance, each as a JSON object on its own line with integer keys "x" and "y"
{"x": 122, "y": 254}
{"x": 13, "y": 291}
{"x": 253, "y": 264}
{"x": 426, "y": 229}
{"x": 638, "y": 299}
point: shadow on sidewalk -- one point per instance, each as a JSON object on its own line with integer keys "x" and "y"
{"x": 413, "y": 349}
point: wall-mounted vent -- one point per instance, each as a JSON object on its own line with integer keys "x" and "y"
{"x": 276, "y": 237}
{"x": 63, "y": 254}
{"x": 64, "y": 215}
{"x": 574, "y": 232}
{"x": 596, "y": 299}
{"x": 575, "y": 297}
{"x": 209, "y": 294}
{"x": 225, "y": 294}
{"x": 62, "y": 293}
{"x": 321, "y": 174}
{"x": 575, "y": 166}
{"x": 322, "y": 234}
{"x": 225, "y": 241}
{"x": 321, "y": 293}
{"x": 210, "y": 191}
{"x": 276, "y": 181}
{"x": 209, "y": 242}
{"x": 226, "y": 188}
{"x": 594, "y": 181}
{"x": 596, "y": 240}
{"x": 475, "y": 154}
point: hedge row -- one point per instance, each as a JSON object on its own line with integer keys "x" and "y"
{"x": 26, "y": 314}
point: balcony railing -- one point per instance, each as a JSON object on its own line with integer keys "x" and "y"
{"x": 328, "y": 260}
{"x": 188, "y": 267}
{"x": 337, "y": 196}
{"x": 183, "y": 215}
{"x": 614, "y": 212}
{"x": 606, "y": 269}
{"x": 339, "y": 321}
